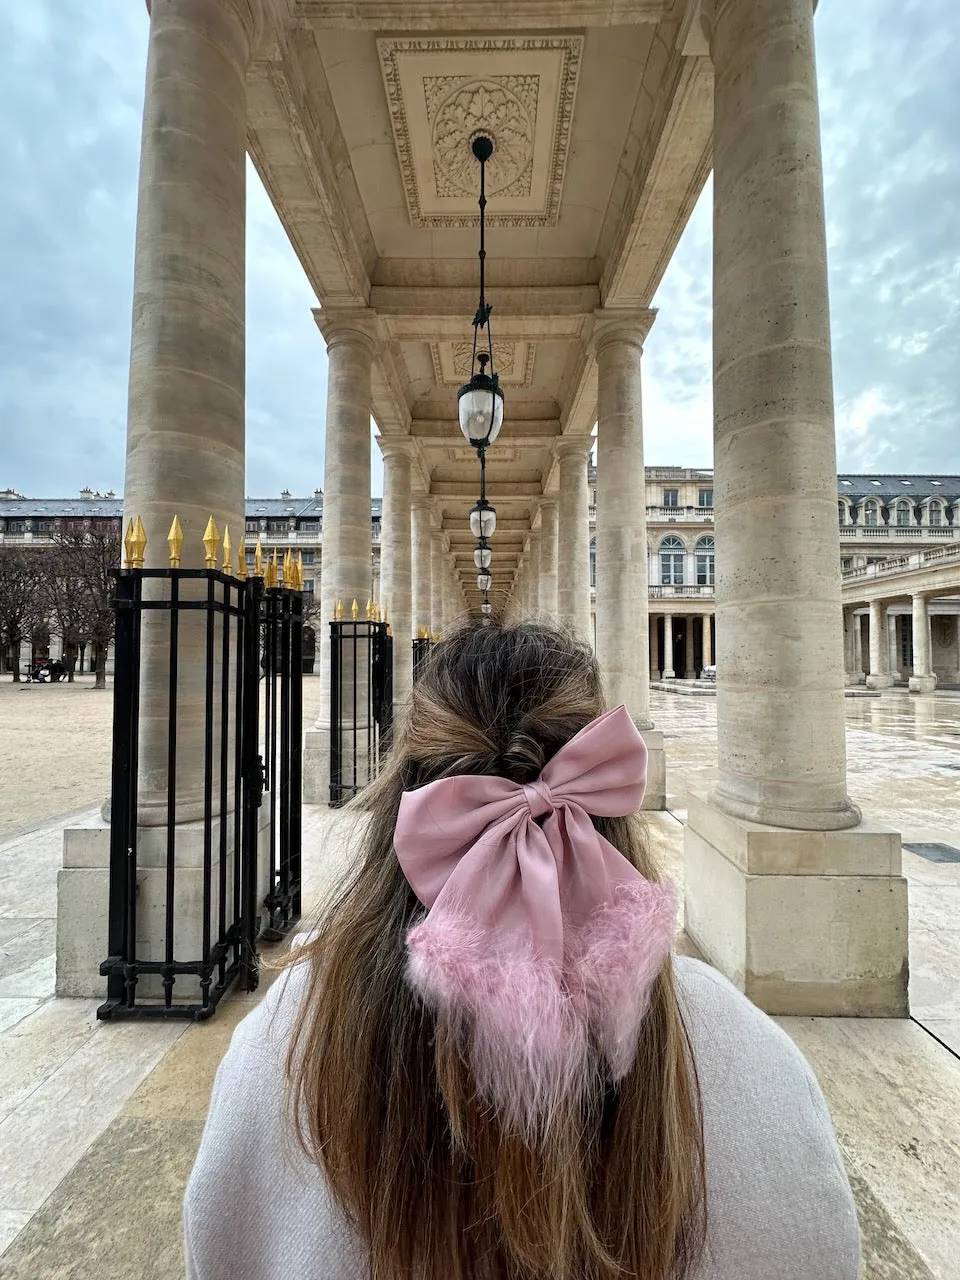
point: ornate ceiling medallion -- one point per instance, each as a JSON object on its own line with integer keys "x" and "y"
{"x": 452, "y": 362}
{"x": 443, "y": 92}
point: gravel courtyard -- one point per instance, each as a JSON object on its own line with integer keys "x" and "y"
{"x": 55, "y": 748}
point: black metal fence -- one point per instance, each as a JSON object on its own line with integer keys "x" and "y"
{"x": 165, "y": 957}
{"x": 361, "y": 704}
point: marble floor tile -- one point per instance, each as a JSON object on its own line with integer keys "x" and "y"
{"x": 934, "y": 970}
{"x": 937, "y": 907}
{"x": 12, "y": 1222}
{"x": 44, "y": 1137}
{"x": 922, "y": 871}
{"x": 27, "y": 946}
{"x": 946, "y": 1030}
{"x": 39, "y": 1045}
{"x": 15, "y": 1008}
{"x": 37, "y": 979}
{"x": 894, "y": 1094}
{"x": 116, "y": 1215}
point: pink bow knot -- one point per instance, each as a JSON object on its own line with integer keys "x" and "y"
{"x": 539, "y": 797}
{"x": 542, "y": 942}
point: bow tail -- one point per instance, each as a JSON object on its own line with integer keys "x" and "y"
{"x": 525, "y": 1038}
{"x": 614, "y": 959}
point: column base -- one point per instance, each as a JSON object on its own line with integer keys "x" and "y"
{"x": 922, "y": 684}
{"x": 655, "y": 796}
{"x": 879, "y": 682}
{"x": 83, "y": 896}
{"x": 810, "y": 923}
{"x": 316, "y": 765}
{"x": 669, "y": 675}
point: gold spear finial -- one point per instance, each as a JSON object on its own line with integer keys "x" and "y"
{"x": 338, "y": 612}
{"x": 130, "y": 544}
{"x": 369, "y": 610}
{"x": 175, "y": 542}
{"x": 211, "y": 541}
{"x": 242, "y": 559}
{"x": 140, "y": 543}
{"x": 258, "y": 559}
{"x": 227, "y": 550}
{"x": 299, "y": 570}
{"x": 355, "y": 610}
{"x": 270, "y": 575}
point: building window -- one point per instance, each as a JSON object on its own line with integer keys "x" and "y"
{"x": 704, "y": 550}
{"x": 593, "y": 562}
{"x": 308, "y": 585}
{"x": 842, "y": 509}
{"x": 308, "y": 557}
{"x": 903, "y": 514}
{"x": 846, "y": 562}
{"x": 671, "y": 562}
{"x": 16, "y": 526}
{"x": 870, "y": 514}
{"x": 936, "y": 513}
{"x": 253, "y": 526}
{"x": 310, "y": 526}
{"x": 706, "y": 498}
{"x": 671, "y": 497}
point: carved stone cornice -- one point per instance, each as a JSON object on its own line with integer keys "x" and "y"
{"x": 573, "y": 446}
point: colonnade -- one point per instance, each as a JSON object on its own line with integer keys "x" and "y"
{"x": 785, "y": 890}
{"x": 697, "y": 647}
{"x": 880, "y": 649}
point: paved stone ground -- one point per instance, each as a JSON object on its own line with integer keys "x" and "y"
{"x": 99, "y": 1122}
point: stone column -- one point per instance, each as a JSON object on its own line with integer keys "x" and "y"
{"x": 654, "y": 649}
{"x": 350, "y": 336}
{"x": 421, "y": 555}
{"x": 395, "y": 575}
{"x": 436, "y": 582}
{"x": 879, "y": 677}
{"x": 623, "y": 629}
{"x": 185, "y": 451}
{"x": 533, "y": 560}
{"x": 707, "y": 642}
{"x": 185, "y": 416}
{"x": 849, "y": 618}
{"x": 805, "y": 924}
{"x": 923, "y": 680}
{"x": 549, "y": 551}
{"x": 668, "y": 672}
{"x": 573, "y": 574}
{"x": 452, "y": 607}
{"x": 893, "y": 647}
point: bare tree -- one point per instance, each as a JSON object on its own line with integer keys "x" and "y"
{"x": 88, "y": 560}
{"x": 21, "y": 599}
{"x": 65, "y": 602}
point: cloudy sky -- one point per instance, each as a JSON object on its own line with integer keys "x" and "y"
{"x": 71, "y": 88}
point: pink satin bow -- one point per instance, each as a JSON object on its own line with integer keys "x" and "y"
{"x": 542, "y": 941}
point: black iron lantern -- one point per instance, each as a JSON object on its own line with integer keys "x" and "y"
{"x": 480, "y": 401}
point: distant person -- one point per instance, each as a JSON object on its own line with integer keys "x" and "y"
{"x": 497, "y": 1068}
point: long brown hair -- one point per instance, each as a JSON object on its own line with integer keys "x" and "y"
{"x": 431, "y": 1180}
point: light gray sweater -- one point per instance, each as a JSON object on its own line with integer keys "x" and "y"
{"x": 779, "y": 1204}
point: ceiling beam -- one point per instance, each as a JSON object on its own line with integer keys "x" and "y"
{"x": 456, "y": 16}
{"x": 460, "y": 301}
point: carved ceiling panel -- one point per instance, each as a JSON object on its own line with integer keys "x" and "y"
{"x": 444, "y": 91}
{"x": 513, "y": 361}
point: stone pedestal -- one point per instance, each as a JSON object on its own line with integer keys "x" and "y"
{"x": 803, "y": 922}
{"x": 83, "y": 895}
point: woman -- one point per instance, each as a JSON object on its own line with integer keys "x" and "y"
{"x": 486, "y": 1064}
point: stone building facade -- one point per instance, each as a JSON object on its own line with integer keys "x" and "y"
{"x": 883, "y": 521}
